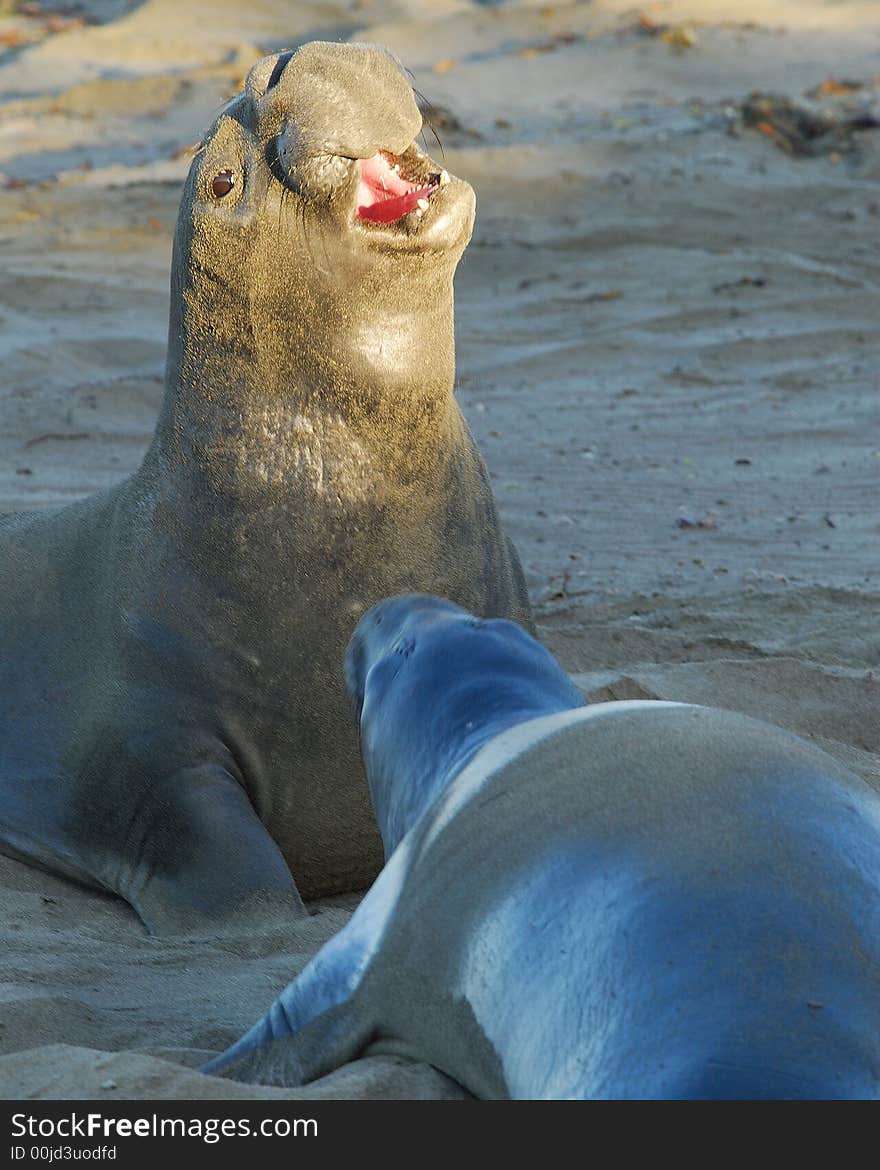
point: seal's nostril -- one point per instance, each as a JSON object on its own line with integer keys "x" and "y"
{"x": 280, "y": 66}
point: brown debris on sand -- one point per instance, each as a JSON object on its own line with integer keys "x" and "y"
{"x": 816, "y": 126}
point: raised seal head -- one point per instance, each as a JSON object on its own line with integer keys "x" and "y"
{"x": 431, "y": 684}
{"x": 316, "y": 244}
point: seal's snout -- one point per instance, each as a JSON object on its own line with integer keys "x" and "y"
{"x": 385, "y": 631}
{"x": 339, "y": 125}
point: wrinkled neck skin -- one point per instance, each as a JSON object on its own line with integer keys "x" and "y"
{"x": 308, "y": 347}
{"x": 265, "y": 383}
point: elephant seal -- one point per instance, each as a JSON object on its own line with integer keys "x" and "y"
{"x": 173, "y": 724}
{"x": 628, "y": 900}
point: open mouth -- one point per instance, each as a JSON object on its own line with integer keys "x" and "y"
{"x": 391, "y": 186}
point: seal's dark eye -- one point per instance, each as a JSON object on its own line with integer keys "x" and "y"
{"x": 222, "y": 183}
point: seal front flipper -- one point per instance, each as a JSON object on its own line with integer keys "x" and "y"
{"x": 198, "y": 852}
{"x": 335, "y": 1038}
{"x": 316, "y": 1024}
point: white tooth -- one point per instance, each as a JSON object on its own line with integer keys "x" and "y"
{"x": 419, "y": 213}
{"x": 444, "y": 178}
{"x": 423, "y": 204}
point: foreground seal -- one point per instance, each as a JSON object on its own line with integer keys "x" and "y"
{"x": 634, "y": 899}
{"x": 173, "y": 725}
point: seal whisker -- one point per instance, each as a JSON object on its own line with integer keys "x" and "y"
{"x": 425, "y": 107}
{"x": 284, "y": 194}
{"x": 323, "y": 238}
{"x": 305, "y": 231}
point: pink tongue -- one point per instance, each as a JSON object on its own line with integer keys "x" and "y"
{"x": 383, "y": 195}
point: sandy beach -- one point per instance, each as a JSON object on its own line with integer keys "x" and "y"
{"x": 667, "y": 351}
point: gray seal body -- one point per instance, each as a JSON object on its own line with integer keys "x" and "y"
{"x": 173, "y": 725}
{"x": 627, "y": 900}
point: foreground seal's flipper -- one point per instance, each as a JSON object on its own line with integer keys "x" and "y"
{"x": 199, "y": 852}
{"x": 316, "y": 1023}
{"x": 335, "y": 1038}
